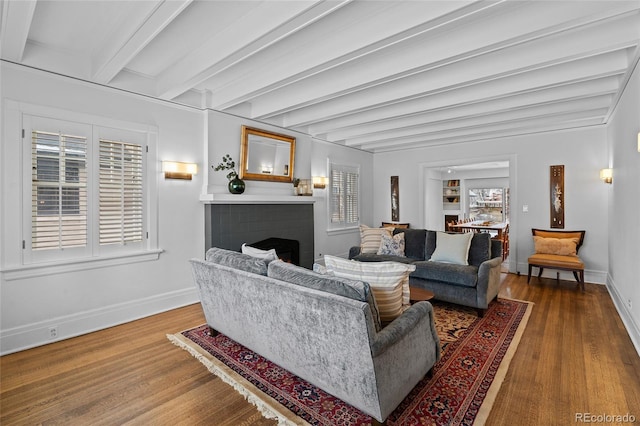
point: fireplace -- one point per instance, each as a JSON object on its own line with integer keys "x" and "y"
{"x": 228, "y": 226}
{"x": 287, "y": 250}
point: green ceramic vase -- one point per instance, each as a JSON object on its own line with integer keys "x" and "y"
{"x": 236, "y": 185}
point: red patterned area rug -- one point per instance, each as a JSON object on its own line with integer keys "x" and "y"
{"x": 462, "y": 389}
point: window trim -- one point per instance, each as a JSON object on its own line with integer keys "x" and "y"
{"x": 14, "y": 262}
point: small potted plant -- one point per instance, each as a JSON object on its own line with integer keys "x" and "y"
{"x": 236, "y": 185}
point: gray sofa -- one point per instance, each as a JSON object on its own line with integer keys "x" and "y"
{"x": 474, "y": 285}
{"x": 322, "y": 328}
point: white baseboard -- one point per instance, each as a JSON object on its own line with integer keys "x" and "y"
{"x": 633, "y": 329}
{"x": 37, "y": 334}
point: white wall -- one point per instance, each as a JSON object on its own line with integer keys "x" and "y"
{"x": 624, "y": 204}
{"x": 310, "y": 160}
{"x": 582, "y": 151}
{"x": 82, "y": 301}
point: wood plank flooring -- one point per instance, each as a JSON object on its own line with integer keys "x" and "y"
{"x": 574, "y": 357}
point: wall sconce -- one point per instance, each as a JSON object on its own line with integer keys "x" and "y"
{"x": 319, "y": 182}
{"x": 177, "y": 170}
{"x": 606, "y": 175}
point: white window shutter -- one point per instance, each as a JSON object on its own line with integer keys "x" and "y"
{"x": 121, "y": 193}
{"x": 344, "y": 203}
{"x": 58, "y": 190}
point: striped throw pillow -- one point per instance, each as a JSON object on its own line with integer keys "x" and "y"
{"x": 370, "y": 238}
{"x": 389, "y": 282}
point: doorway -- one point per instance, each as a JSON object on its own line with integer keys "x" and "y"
{"x": 486, "y": 188}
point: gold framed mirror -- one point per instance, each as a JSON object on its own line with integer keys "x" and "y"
{"x": 266, "y": 155}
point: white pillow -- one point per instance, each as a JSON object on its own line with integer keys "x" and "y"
{"x": 266, "y": 255}
{"x": 452, "y": 248}
{"x": 389, "y": 282}
{"x": 370, "y": 238}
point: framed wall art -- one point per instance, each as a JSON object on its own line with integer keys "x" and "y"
{"x": 395, "y": 199}
{"x": 556, "y": 187}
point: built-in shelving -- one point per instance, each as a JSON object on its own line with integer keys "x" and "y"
{"x": 451, "y": 194}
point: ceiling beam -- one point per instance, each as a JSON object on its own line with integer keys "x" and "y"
{"x": 113, "y": 57}
{"x": 349, "y": 125}
{"x": 449, "y": 120}
{"x": 607, "y": 64}
{"x": 236, "y": 91}
{"x": 551, "y": 44}
{"x": 17, "y": 16}
{"x": 199, "y": 65}
{"x": 515, "y": 125}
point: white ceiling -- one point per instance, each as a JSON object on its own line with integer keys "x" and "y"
{"x": 375, "y": 75}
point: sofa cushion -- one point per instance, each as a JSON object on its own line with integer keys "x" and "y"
{"x": 266, "y": 255}
{"x": 389, "y": 282}
{"x": 480, "y": 248}
{"x": 370, "y": 238}
{"x": 556, "y": 261}
{"x": 464, "y": 275}
{"x": 392, "y": 245}
{"x": 414, "y": 242}
{"x": 452, "y": 248}
{"x": 236, "y": 260}
{"x": 352, "y": 289}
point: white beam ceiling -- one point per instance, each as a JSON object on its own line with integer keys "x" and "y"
{"x": 375, "y": 75}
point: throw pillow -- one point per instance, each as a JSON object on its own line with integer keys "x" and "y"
{"x": 266, "y": 255}
{"x": 452, "y": 248}
{"x": 370, "y": 238}
{"x": 389, "y": 282}
{"x": 559, "y": 246}
{"x": 393, "y": 245}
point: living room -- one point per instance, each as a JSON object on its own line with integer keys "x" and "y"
{"x": 74, "y": 298}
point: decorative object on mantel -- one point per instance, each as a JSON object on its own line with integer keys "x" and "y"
{"x": 236, "y": 185}
{"x": 556, "y": 181}
{"x": 395, "y": 199}
{"x": 302, "y": 186}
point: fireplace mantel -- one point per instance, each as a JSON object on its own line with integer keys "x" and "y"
{"x": 255, "y": 199}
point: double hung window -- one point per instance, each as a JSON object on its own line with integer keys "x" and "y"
{"x": 87, "y": 192}
{"x": 344, "y": 209}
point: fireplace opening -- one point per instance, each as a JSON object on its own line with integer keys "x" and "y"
{"x": 287, "y": 250}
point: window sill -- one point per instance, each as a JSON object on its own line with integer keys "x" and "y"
{"x": 44, "y": 269}
{"x": 342, "y": 231}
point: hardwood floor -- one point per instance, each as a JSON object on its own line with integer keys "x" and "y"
{"x": 574, "y": 357}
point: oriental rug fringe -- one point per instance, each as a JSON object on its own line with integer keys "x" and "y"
{"x": 464, "y": 384}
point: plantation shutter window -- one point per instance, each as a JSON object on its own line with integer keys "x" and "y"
{"x": 121, "y": 195}
{"x": 344, "y": 196}
{"x": 58, "y": 190}
{"x": 85, "y": 193}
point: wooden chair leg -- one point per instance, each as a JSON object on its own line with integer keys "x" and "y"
{"x": 529, "y": 274}
{"x": 540, "y": 269}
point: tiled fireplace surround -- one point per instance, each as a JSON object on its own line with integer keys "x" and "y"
{"x": 229, "y": 225}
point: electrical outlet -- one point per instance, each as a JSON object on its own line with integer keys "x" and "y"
{"x": 53, "y": 332}
{"x": 629, "y": 305}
